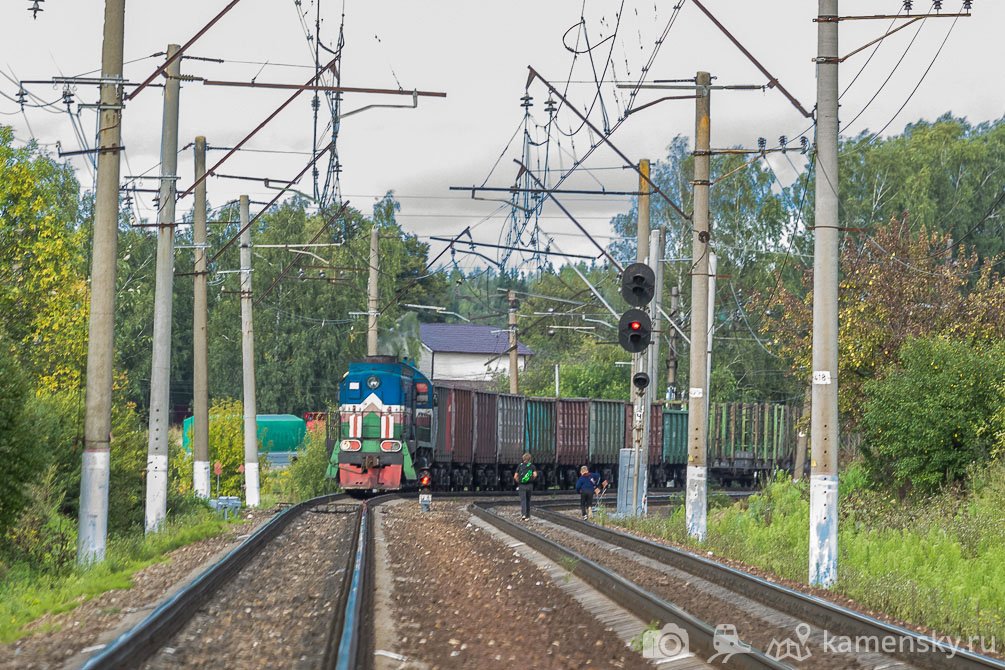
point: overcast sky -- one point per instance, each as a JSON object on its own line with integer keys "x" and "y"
{"x": 478, "y": 53}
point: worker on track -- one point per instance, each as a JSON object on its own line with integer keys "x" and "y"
{"x": 587, "y": 485}
{"x": 524, "y": 477}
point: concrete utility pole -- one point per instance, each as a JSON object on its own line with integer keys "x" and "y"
{"x": 671, "y": 392}
{"x": 642, "y": 234}
{"x": 514, "y": 359}
{"x": 160, "y": 361}
{"x": 640, "y": 361}
{"x": 801, "y": 435}
{"x": 657, "y": 239}
{"x": 374, "y": 292}
{"x": 200, "y": 344}
{"x": 92, "y": 529}
{"x": 697, "y": 415}
{"x": 713, "y": 267}
{"x": 251, "y": 493}
{"x": 824, "y": 412}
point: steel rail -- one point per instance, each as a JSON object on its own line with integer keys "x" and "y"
{"x": 639, "y": 602}
{"x": 134, "y": 646}
{"x": 813, "y": 610}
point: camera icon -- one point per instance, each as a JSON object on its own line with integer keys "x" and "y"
{"x": 668, "y": 642}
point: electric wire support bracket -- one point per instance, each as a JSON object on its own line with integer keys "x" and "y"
{"x": 910, "y": 18}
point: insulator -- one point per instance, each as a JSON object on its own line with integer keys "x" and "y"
{"x": 937, "y": 5}
{"x": 21, "y": 97}
{"x": 35, "y": 8}
{"x": 908, "y": 4}
{"x": 315, "y": 103}
{"x": 67, "y": 96}
{"x": 804, "y": 144}
{"x": 967, "y": 4}
{"x": 526, "y": 104}
{"x": 762, "y": 144}
{"x": 782, "y": 141}
{"x": 301, "y": 275}
{"x": 549, "y": 105}
{"x": 322, "y": 274}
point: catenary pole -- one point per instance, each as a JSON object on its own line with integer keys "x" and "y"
{"x": 824, "y": 410}
{"x": 160, "y": 360}
{"x": 251, "y": 491}
{"x": 200, "y": 344}
{"x": 92, "y": 530}
{"x": 514, "y": 359}
{"x": 657, "y": 243}
{"x": 374, "y": 292}
{"x": 671, "y": 392}
{"x": 697, "y": 418}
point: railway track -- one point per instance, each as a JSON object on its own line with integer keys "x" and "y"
{"x": 161, "y": 638}
{"x": 165, "y": 637}
{"x": 647, "y": 578}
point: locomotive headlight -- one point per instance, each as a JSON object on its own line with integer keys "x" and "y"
{"x": 372, "y": 383}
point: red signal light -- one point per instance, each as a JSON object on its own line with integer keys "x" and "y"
{"x": 636, "y": 325}
{"x": 424, "y": 480}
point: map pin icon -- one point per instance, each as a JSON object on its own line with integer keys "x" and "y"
{"x": 803, "y": 633}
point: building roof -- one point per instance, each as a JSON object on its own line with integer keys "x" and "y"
{"x": 468, "y": 338}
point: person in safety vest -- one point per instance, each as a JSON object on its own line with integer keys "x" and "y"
{"x": 524, "y": 477}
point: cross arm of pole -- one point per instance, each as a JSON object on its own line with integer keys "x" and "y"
{"x": 911, "y": 20}
{"x": 164, "y": 66}
{"x": 300, "y": 256}
{"x": 547, "y": 192}
{"x": 257, "y": 128}
{"x": 772, "y": 81}
{"x": 533, "y": 74}
{"x": 503, "y": 246}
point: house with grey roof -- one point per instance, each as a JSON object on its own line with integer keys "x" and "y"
{"x": 467, "y": 354}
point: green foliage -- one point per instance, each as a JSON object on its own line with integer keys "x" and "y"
{"x": 29, "y": 590}
{"x": 305, "y": 478}
{"x": 928, "y": 419}
{"x": 937, "y": 562}
{"x": 42, "y": 535}
{"x": 226, "y": 446}
{"x": 19, "y": 453}
{"x": 43, "y": 291}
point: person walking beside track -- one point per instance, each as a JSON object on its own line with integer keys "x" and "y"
{"x": 524, "y": 477}
{"x": 587, "y": 485}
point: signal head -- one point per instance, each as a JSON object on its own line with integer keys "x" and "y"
{"x": 638, "y": 284}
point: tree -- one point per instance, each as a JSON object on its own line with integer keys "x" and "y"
{"x": 43, "y": 291}
{"x": 929, "y": 418}
{"x": 895, "y": 286}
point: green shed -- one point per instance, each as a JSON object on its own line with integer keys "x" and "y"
{"x": 277, "y": 432}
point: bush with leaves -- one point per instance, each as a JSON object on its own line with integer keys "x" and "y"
{"x": 226, "y": 446}
{"x": 305, "y": 477}
{"x": 43, "y": 535}
{"x": 19, "y": 452}
{"x": 928, "y": 419}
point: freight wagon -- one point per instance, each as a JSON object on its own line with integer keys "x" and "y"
{"x": 395, "y": 428}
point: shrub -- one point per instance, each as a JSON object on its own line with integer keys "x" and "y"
{"x": 929, "y": 418}
{"x": 20, "y": 453}
{"x": 42, "y": 535}
{"x": 306, "y": 476}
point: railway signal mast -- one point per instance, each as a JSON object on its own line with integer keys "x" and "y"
{"x": 635, "y": 333}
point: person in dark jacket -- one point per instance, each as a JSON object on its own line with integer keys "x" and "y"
{"x": 587, "y": 485}
{"x": 524, "y": 477}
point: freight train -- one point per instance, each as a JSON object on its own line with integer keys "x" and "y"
{"x": 394, "y": 429}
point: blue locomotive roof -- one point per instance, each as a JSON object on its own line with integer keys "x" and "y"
{"x": 390, "y": 390}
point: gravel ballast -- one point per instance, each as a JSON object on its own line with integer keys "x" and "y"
{"x": 463, "y": 599}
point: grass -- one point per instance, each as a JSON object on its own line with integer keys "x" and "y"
{"x": 26, "y": 595}
{"x": 938, "y": 562}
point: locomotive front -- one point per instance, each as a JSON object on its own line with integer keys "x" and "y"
{"x": 384, "y": 426}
